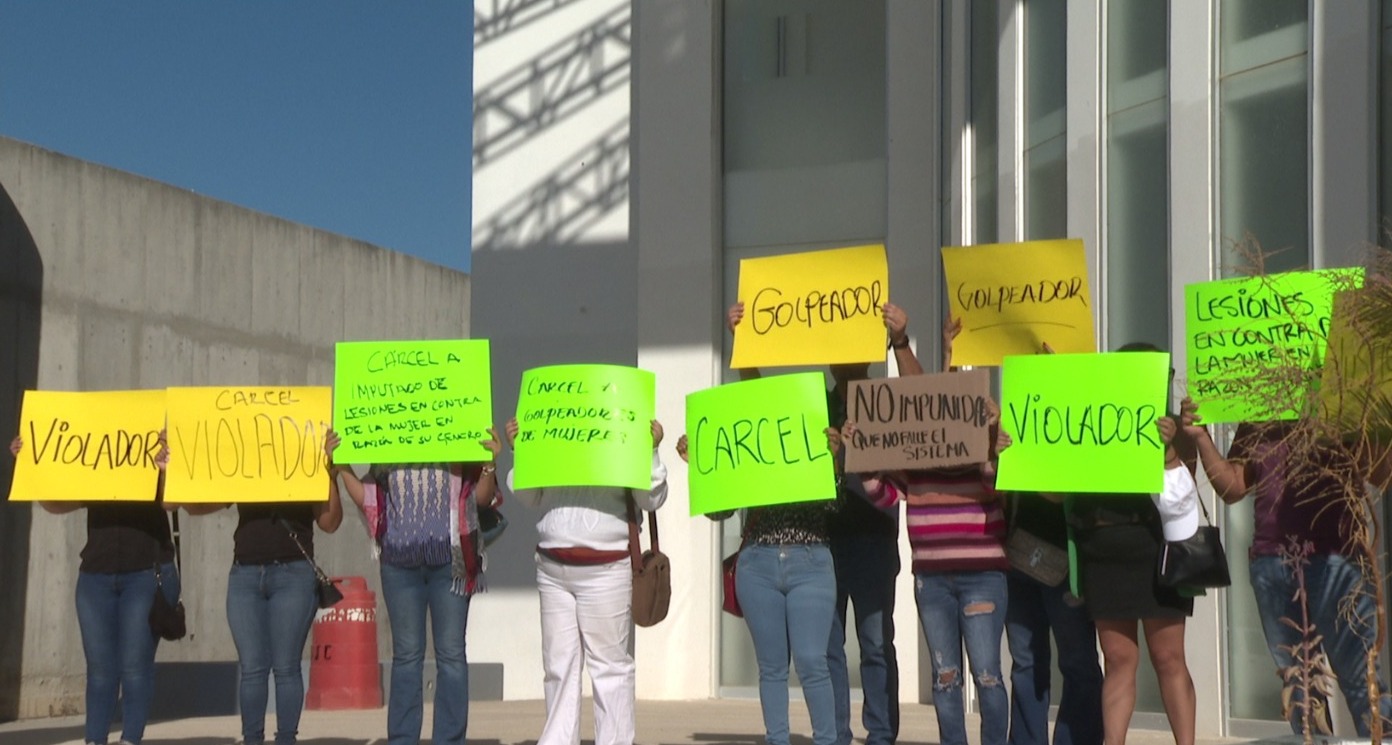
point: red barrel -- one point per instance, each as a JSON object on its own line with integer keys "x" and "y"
{"x": 343, "y": 671}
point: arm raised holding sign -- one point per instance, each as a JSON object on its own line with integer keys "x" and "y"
{"x": 127, "y": 558}
{"x": 424, "y": 519}
{"x": 272, "y": 594}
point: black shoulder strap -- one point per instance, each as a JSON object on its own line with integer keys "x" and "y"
{"x": 174, "y": 535}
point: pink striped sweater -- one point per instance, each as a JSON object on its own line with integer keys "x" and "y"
{"x": 954, "y": 518}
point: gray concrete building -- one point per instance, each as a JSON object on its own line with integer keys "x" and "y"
{"x": 111, "y": 281}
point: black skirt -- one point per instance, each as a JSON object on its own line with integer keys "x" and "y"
{"x": 1117, "y": 564}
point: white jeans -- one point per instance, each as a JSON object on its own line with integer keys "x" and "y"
{"x": 587, "y": 609}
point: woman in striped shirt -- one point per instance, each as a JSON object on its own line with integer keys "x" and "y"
{"x": 957, "y": 532}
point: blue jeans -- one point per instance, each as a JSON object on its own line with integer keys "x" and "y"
{"x": 1032, "y": 611}
{"x": 788, "y": 594}
{"x": 866, "y": 566}
{"x": 113, "y": 614}
{"x": 965, "y": 606}
{"x": 409, "y": 594}
{"x": 1328, "y": 580}
{"x": 270, "y": 608}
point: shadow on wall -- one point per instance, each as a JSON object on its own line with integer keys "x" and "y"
{"x": 21, "y": 293}
{"x": 541, "y": 305}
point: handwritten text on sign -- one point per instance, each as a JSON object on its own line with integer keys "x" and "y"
{"x": 412, "y": 401}
{"x": 759, "y": 442}
{"x": 89, "y": 446}
{"x": 1015, "y": 297}
{"x": 1243, "y": 333}
{"x": 821, "y": 307}
{"x": 1084, "y": 422}
{"x": 919, "y": 421}
{"x": 584, "y": 425}
{"x": 247, "y": 444}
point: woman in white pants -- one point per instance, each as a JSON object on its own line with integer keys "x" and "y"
{"x": 585, "y": 581}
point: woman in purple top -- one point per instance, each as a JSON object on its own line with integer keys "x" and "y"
{"x": 1298, "y": 489}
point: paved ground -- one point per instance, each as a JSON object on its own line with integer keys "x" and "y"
{"x": 711, "y": 722}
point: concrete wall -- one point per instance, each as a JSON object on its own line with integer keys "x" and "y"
{"x": 122, "y": 283}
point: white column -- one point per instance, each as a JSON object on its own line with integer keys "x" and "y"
{"x": 913, "y": 48}
{"x": 1084, "y": 138}
{"x": 1343, "y": 131}
{"x": 675, "y": 211}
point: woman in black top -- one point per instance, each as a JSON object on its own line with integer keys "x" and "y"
{"x": 271, "y": 601}
{"x": 129, "y": 553}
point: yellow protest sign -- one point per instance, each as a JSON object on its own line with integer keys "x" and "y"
{"x": 1015, "y": 297}
{"x": 816, "y": 308}
{"x": 98, "y": 446}
{"x": 247, "y": 444}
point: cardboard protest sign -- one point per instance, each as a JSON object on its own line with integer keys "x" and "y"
{"x": 247, "y": 444}
{"x": 1013, "y": 298}
{"x": 584, "y": 425}
{"x": 1244, "y": 335}
{"x": 98, "y": 446}
{"x": 1084, "y": 422}
{"x": 822, "y": 307}
{"x": 412, "y": 401}
{"x": 759, "y": 442}
{"x": 919, "y": 421}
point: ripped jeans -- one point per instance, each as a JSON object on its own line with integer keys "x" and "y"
{"x": 957, "y": 607}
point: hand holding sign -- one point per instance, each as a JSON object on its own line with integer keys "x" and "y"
{"x": 918, "y": 421}
{"x": 1083, "y": 422}
{"x": 412, "y": 401}
{"x": 88, "y": 446}
{"x": 1248, "y": 339}
{"x": 1009, "y": 296}
{"x": 759, "y": 442}
{"x": 584, "y": 425}
{"x": 820, "y": 307}
{"x": 247, "y": 444}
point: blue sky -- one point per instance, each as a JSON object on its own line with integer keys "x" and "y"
{"x": 347, "y": 115}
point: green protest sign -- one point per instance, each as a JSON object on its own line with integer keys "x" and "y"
{"x": 1249, "y": 340}
{"x": 412, "y": 401}
{"x": 759, "y": 442}
{"x": 584, "y": 425}
{"x": 1084, "y": 422}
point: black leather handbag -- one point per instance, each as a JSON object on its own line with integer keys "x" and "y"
{"x": 1197, "y": 561}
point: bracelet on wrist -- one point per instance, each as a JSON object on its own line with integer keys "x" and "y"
{"x": 899, "y": 344}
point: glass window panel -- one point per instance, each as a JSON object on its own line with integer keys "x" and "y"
{"x": 1046, "y": 163}
{"x": 804, "y": 121}
{"x": 1255, "y": 32}
{"x": 1264, "y": 180}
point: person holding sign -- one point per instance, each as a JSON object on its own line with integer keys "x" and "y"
{"x": 1037, "y": 608}
{"x": 785, "y": 580}
{"x": 424, "y": 519}
{"x": 1299, "y": 496}
{"x": 865, "y": 554}
{"x": 957, "y": 530}
{"x": 271, "y": 601}
{"x": 1118, "y": 539}
{"x": 128, "y": 557}
{"x": 585, "y": 580}
{"x": 786, "y": 585}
